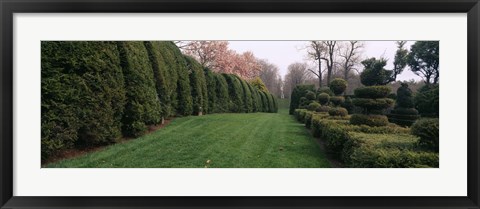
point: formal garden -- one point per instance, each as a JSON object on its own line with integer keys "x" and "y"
{"x": 372, "y": 128}
{"x": 147, "y": 104}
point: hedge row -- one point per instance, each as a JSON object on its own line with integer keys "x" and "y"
{"x": 365, "y": 146}
{"x": 95, "y": 92}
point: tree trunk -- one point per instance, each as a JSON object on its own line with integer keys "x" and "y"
{"x": 319, "y": 73}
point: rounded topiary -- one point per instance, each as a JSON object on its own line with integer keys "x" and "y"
{"x": 313, "y": 106}
{"x": 338, "y": 86}
{"x": 310, "y": 95}
{"x": 372, "y": 92}
{"x": 369, "y": 120}
{"x": 337, "y": 100}
{"x": 303, "y": 102}
{"x": 338, "y": 111}
{"x": 325, "y": 90}
{"x": 323, "y": 98}
{"x": 323, "y": 109}
{"x": 428, "y": 131}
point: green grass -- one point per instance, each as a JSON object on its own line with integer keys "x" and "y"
{"x": 249, "y": 140}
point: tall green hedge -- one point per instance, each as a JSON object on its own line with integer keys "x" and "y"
{"x": 223, "y": 97}
{"x": 198, "y": 85}
{"x": 94, "y": 92}
{"x": 235, "y": 91}
{"x": 248, "y": 102}
{"x": 254, "y": 95}
{"x": 82, "y": 94}
{"x": 211, "y": 82}
{"x": 160, "y": 73}
{"x": 169, "y": 64}
{"x": 143, "y": 105}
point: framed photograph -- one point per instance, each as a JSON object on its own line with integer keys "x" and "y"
{"x": 264, "y": 104}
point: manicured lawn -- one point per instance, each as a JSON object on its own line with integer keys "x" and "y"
{"x": 251, "y": 140}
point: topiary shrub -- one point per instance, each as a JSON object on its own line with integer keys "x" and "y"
{"x": 348, "y": 104}
{"x": 313, "y": 106}
{"x": 298, "y": 92}
{"x": 310, "y": 95}
{"x": 326, "y": 90}
{"x": 300, "y": 115}
{"x": 337, "y": 100}
{"x": 427, "y": 99}
{"x": 369, "y": 120}
{"x": 428, "y": 131}
{"x": 404, "y": 114}
{"x": 374, "y": 73}
{"x": 322, "y": 109}
{"x": 308, "y": 119}
{"x": 323, "y": 98}
{"x": 304, "y": 102}
{"x": 338, "y": 86}
{"x": 370, "y": 105}
{"x": 338, "y": 111}
{"x": 372, "y": 92}
{"x": 386, "y": 151}
{"x": 372, "y": 98}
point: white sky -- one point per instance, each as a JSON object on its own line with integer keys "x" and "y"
{"x": 284, "y": 53}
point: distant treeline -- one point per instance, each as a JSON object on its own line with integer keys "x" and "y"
{"x": 95, "y": 92}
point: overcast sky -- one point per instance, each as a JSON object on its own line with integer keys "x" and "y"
{"x": 284, "y": 53}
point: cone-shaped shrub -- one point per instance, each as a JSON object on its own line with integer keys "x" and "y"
{"x": 298, "y": 92}
{"x": 372, "y": 98}
{"x": 404, "y": 113}
{"x": 142, "y": 104}
{"x": 83, "y": 94}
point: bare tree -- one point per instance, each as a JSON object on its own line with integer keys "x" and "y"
{"x": 329, "y": 58}
{"x": 298, "y": 73}
{"x": 350, "y": 57}
{"x": 269, "y": 73}
{"x": 315, "y": 51}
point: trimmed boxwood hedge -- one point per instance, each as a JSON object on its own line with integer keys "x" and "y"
{"x": 364, "y": 146}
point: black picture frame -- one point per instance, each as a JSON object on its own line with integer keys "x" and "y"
{"x": 9, "y": 7}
